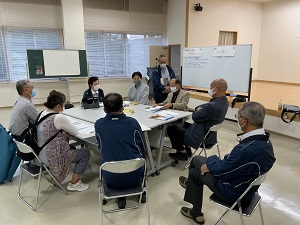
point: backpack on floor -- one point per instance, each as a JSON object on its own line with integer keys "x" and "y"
{"x": 29, "y": 137}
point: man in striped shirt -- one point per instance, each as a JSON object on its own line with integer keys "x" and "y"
{"x": 23, "y": 110}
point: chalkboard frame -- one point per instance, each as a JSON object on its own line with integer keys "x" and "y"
{"x": 36, "y": 66}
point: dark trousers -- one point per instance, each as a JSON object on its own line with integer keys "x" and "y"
{"x": 176, "y": 135}
{"x": 195, "y": 183}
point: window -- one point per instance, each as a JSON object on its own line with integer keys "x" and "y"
{"x": 227, "y": 38}
{"x": 14, "y": 43}
{"x": 117, "y": 54}
{"x": 3, "y": 70}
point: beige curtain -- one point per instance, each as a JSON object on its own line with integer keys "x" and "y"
{"x": 227, "y": 38}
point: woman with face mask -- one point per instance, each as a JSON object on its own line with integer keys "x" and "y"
{"x": 94, "y": 89}
{"x": 139, "y": 93}
{"x": 58, "y": 155}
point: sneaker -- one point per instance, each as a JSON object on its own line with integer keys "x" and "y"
{"x": 182, "y": 181}
{"x": 179, "y": 156}
{"x": 187, "y": 212}
{"x": 79, "y": 186}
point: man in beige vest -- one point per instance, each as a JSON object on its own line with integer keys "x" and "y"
{"x": 177, "y": 99}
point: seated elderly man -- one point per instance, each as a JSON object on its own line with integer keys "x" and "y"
{"x": 120, "y": 137}
{"x": 205, "y": 116}
{"x": 177, "y": 98}
{"x": 228, "y": 178}
{"x": 23, "y": 110}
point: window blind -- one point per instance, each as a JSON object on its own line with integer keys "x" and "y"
{"x": 119, "y": 34}
{"x": 30, "y": 24}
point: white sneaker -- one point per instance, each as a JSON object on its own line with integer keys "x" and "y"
{"x": 79, "y": 186}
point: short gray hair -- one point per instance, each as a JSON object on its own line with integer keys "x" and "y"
{"x": 162, "y": 56}
{"x": 20, "y": 86}
{"x": 254, "y": 112}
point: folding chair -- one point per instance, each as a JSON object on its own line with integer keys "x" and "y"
{"x": 36, "y": 170}
{"x": 121, "y": 167}
{"x": 245, "y": 209}
{"x": 214, "y": 128}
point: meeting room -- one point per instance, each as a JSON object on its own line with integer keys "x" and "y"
{"x": 149, "y": 112}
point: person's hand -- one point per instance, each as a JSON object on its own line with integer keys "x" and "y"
{"x": 124, "y": 98}
{"x": 167, "y": 106}
{"x": 68, "y": 136}
{"x": 167, "y": 90}
{"x": 204, "y": 169}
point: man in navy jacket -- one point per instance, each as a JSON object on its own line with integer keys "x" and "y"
{"x": 230, "y": 177}
{"x": 163, "y": 73}
{"x": 119, "y": 138}
{"x": 204, "y": 117}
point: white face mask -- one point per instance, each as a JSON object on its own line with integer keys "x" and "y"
{"x": 238, "y": 123}
{"x": 173, "y": 89}
{"x": 211, "y": 92}
{"x": 163, "y": 65}
{"x": 96, "y": 87}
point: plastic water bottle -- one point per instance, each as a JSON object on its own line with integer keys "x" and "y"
{"x": 280, "y": 105}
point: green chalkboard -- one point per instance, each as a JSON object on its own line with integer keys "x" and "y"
{"x": 36, "y": 64}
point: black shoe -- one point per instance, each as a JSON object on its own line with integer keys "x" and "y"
{"x": 199, "y": 219}
{"x": 121, "y": 202}
{"x": 179, "y": 156}
{"x": 144, "y": 198}
{"x": 188, "y": 151}
{"x": 182, "y": 181}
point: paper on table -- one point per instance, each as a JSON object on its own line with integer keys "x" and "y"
{"x": 80, "y": 125}
{"x": 164, "y": 115}
{"x": 167, "y": 113}
{"x": 154, "y": 109}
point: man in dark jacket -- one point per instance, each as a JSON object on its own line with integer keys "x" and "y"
{"x": 161, "y": 80}
{"x": 120, "y": 138}
{"x": 230, "y": 177}
{"x": 204, "y": 117}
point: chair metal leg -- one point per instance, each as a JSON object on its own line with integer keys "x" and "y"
{"x": 218, "y": 150}
{"x": 261, "y": 215}
{"x": 241, "y": 213}
{"x": 223, "y": 217}
{"x": 61, "y": 188}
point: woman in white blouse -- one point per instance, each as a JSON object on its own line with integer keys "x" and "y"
{"x": 57, "y": 154}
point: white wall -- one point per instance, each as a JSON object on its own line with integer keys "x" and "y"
{"x": 73, "y": 25}
{"x": 279, "y": 49}
{"x": 226, "y": 15}
{"x": 176, "y": 22}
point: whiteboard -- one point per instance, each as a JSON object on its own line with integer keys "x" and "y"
{"x": 202, "y": 65}
{"x": 61, "y": 62}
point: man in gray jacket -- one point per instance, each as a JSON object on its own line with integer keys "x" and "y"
{"x": 204, "y": 117}
{"x": 23, "y": 110}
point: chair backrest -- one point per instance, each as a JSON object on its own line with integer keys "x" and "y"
{"x": 125, "y": 166}
{"x": 258, "y": 181}
{"x": 213, "y": 128}
{"x": 25, "y": 148}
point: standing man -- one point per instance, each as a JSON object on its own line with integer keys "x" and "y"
{"x": 177, "y": 99}
{"x": 228, "y": 178}
{"x": 161, "y": 79}
{"x": 204, "y": 117}
{"x": 139, "y": 93}
{"x": 23, "y": 110}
